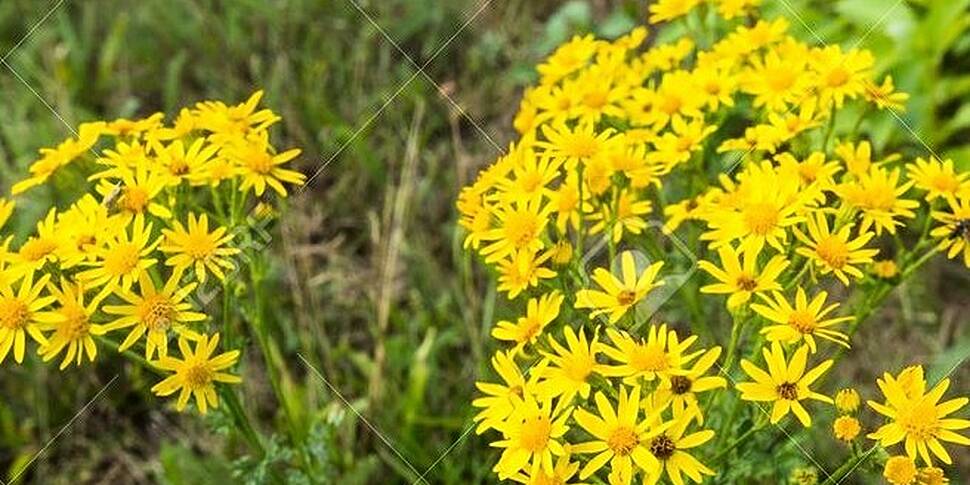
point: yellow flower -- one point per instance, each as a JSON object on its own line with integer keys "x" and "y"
{"x": 620, "y": 436}
{"x": 900, "y": 470}
{"x": 154, "y": 312}
{"x": 571, "y": 366}
{"x": 532, "y": 433}
{"x": 661, "y": 354}
{"x": 523, "y": 270}
{"x": 835, "y": 252}
{"x": 41, "y": 248}
{"x": 180, "y": 164}
{"x": 918, "y": 417}
{"x": 937, "y": 178}
{"x": 498, "y": 402}
{"x": 877, "y": 193}
{"x": 568, "y": 58}
{"x": 21, "y": 315}
{"x": 742, "y": 280}
{"x": 198, "y": 249}
{"x": 931, "y": 476}
{"x": 840, "y": 75}
{"x": 196, "y": 373}
{"x": 665, "y": 10}
{"x": 60, "y": 156}
{"x": 125, "y": 128}
{"x": 72, "y": 326}
{"x": 84, "y": 228}
{"x": 670, "y": 455}
{"x": 135, "y": 192}
{"x": 569, "y": 147}
{"x": 619, "y": 295}
{"x": 676, "y": 146}
{"x": 680, "y": 390}
{"x": 730, "y": 9}
{"x": 123, "y": 258}
{"x": 885, "y": 269}
{"x": 540, "y": 312}
{"x": 847, "y": 400}
{"x": 778, "y": 79}
{"x": 785, "y": 384}
{"x": 229, "y": 123}
{"x": 626, "y": 215}
{"x": 885, "y": 95}
{"x": 804, "y": 321}
{"x": 846, "y": 428}
{"x": 520, "y": 228}
{"x": 954, "y": 233}
{"x": 259, "y": 167}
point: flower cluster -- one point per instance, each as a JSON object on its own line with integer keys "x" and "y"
{"x": 154, "y": 210}
{"x": 735, "y": 145}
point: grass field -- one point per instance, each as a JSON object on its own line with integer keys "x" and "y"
{"x": 380, "y": 323}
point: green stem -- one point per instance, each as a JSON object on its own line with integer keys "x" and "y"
{"x": 849, "y": 466}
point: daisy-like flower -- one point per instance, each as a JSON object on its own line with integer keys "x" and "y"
{"x": 527, "y": 329}
{"x": 885, "y": 95}
{"x": 532, "y": 435}
{"x": 135, "y": 191}
{"x": 841, "y": 75}
{"x": 523, "y": 270}
{"x": 661, "y": 354}
{"x": 123, "y": 259}
{"x": 520, "y": 228}
{"x": 154, "y": 312}
{"x": 259, "y": 167}
{"x": 670, "y": 454}
{"x": 531, "y": 175}
{"x": 917, "y": 417}
{"x": 954, "y": 233}
{"x": 680, "y": 390}
{"x": 197, "y": 248}
{"x": 846, "y": 428}
{"x": 835, "y": 252}
{"x": 786, "y": 383}
{"x": 497, "y": 404}
{"x": 676, "y": 146}
{"x": 937, "y": 178}
{"x": 71, "y": 324}
{"x": 84, "y": 228}
{"x": 41, "y": 248}
{"x": 741, "y": 280}
{"x": 878, "y": 194}
{"x": 21, "y": 314}
{"x": 617, "y": 295}
{"x": 620, "y": 436}
{"x": 571, "y": 366}
{"x": 196, "y": 373}
{"x": 804, "y": 321}
{"x": 569, "y": 147}
{"x": 181, "y": 164}
{"x": 229, "y": 123}
{"x": 627, "y": 215}
{"x": 567, "y": 58}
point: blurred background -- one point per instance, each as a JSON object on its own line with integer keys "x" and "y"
{"x": 377, "y": 294}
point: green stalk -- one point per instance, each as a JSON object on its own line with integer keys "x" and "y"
{"x": 849, "y": 466}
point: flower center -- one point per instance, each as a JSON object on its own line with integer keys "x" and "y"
{"x": 582, "y": 146}
{"x": 623, "y": 440}
{"x": 833, "y": 251}
{"x": 122, "y": 259}
{"x": 522, "y": 228}
{"x": 962, "y": 229}
{"x": 199, "y": 245}
{"x": 838, "y": 77}
{"x": 76, "y": 326}
{"x": 803, "y": 321}
{"x": 260, "y": 162}
{"x": 135, "y": 199}
{"x": 626, "y": 297}
{"x": 663, "y": 447}
{"x": 746, "y": 283}
{"x": 535, "y": 434}
{"x": 198, "y": 376}
{"x": 158, "y": 312}
{"x": 788, "y": 390}
{"x": 761, "y": 218}
{"x": 13, "y": 313}
{"x": 920, "y": 421}
{"x": 680, "y": 384}
{"x": 649, "y": 358}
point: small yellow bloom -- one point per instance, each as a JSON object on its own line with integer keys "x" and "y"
{"x": 900, "y": 470}
{"x": 885, "y": 268}
{"x": 786, "y": 383}
{"x": 742, "y": 280}
{"x": 72, "y": 325}
{"x": 846, "y": 428}
{"x": 196, "y": 373}
{"x": 198, "y": 249}
{"x": 21, "y": 314}
{"x": 527, "y": 329}
{"x": 804, "y": 321}
{"x": 617, "y": 295}
{"x": 847, "y": 400}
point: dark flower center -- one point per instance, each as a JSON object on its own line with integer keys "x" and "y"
{"x": 662, "y": 447}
